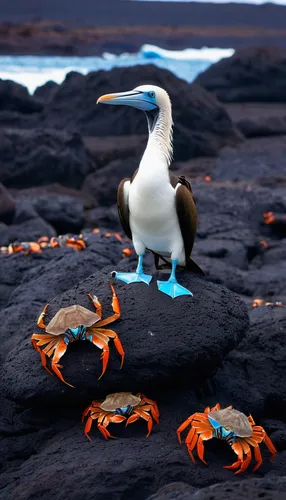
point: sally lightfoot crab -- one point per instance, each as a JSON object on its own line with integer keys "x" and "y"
{"x": 76, "y": 323}
{"x": 120, "y": 407}
{"x": 238, "y": 430}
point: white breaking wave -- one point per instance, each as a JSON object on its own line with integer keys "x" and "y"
{"x": 205, "y": 53}
{"x": 34, "y": 71}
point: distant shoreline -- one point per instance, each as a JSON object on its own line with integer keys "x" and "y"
{"x": 59, "y": 27}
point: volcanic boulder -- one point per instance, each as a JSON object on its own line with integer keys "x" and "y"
{"x": 45, "y": 92}
{"x": 103, "y": 184}
{"x": 160, "y": 347}
{"x": 252, "y": 74}
{"x": 27, "y": 225}
{"x": 202, "y": 126}
{"x": 40, "y": 156}
{"x": 254, "y": 488}
{"x": 63, "y": 212}
{"x": 130, "y": 466}
{"x": 31, "y": 281}
{"x": 15, "y": 97}
{"x": 7, "y": 205}
{"x": 254, "y": 373}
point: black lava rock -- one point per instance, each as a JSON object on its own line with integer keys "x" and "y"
{"x": 7, "y": 205}
{"x": 45, "y": 92}
{"x": 127, "y": 467}
{"x": 40, "y": 157}
{"x": 161, "y": 348}
{"x": 202, "y": 126}
{"x": 254, "y": 373}
{"x": 27, "y": 225}
{"x": 34, "y": 280}
{"x": 252, "y": 74}
{"x": 103, "y": 184}
{"x": 64, "y": 213}
{"x": 15, "y": 97}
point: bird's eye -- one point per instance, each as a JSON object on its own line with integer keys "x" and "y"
{"x": 151, "y": 94}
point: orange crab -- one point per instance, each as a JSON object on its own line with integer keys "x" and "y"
{"x": 120, "y": 407}
{"x": 76, "y": 323}
{"x": 238, "y": 430}
{"x": 67, "y": 240}
{"x": 27, "y": 247}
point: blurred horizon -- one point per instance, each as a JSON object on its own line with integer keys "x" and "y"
{"x": 255, "y": 2}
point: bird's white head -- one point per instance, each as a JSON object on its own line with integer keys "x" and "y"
{"x": 157, "y": 106}
{"x": 144, "y": 97}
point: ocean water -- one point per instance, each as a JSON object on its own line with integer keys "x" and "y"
{"x": 33, "y": 71}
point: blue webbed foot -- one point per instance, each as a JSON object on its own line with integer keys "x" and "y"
{"x": 133, "y": 277}
{"x": 172, "y": 288}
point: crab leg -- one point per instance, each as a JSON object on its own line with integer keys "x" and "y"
{"x": 97, "y": 304}
{"x": 42, "y": 354}
{"x": 94, "y": 415}
{"x": 115, "y": 308}
{"x": 237, "y": 448}
{"x": 132, "y": 418}
{"x": 184, "y": 425}
{"x": 205, "y": 436}
{"x": 91, "y": 408}
{"x": 59, "y": 352}
{"x": 89, "y": 424}
{"x": 191, "y": 441}
{"x": 202, "y": 417}
{"x": 105, "y": 420}
{"x": 146, "y": 417}
{"x": 100, "y": 341}
{"x": 154, "y": 407}
{"x": 270, "y": 445}
{"x": 40, "y": 321}
{"x": 258, "y": 458}
{"x": 113, "y": 335}
{"x": 150, "y": 408}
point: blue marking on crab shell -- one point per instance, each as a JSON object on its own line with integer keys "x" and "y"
{"x": 220, "y": 431}
{"x": 214, "y": 423}
{"x": 77, "y": 333}
{"x": 66, "y": 340}
{"x": 124, "y": 410}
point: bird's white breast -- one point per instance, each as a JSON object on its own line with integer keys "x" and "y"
{"x": 153, "y": 216}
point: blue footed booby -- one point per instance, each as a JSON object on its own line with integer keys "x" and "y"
{"x": 156, "y": 208}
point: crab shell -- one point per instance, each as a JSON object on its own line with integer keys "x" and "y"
{"x": 71, "y": 317}
{"x": 119, "y": 400}
{"x": 236, "y": 421}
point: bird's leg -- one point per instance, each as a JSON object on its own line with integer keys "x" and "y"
{"x": 172, "y": 287}
{"x": 137, "y": 277}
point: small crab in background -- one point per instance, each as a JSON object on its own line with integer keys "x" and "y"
{"x": 27, "y": 247}
{"x": 68, "y": 240}
{"x": 120, "y": 407}
{"x": 76, "y": 323}
{"x": 238, "y": 430}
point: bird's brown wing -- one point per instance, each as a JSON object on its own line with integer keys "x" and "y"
{"x": 188, "y": 218}
{"x": 123, "y": 205}
{"x": 123, "y": 208}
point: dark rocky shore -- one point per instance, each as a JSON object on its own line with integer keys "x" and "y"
{"x": 62, "y": 158}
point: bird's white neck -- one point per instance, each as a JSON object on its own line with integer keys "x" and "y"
{"x": 159, "y": 150}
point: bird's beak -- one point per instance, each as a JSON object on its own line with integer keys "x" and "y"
{"x": 134, "y": 98}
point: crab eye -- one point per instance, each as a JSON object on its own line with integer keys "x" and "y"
{"x": 151, "y": 94}
{"x": 227, "y": 428}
